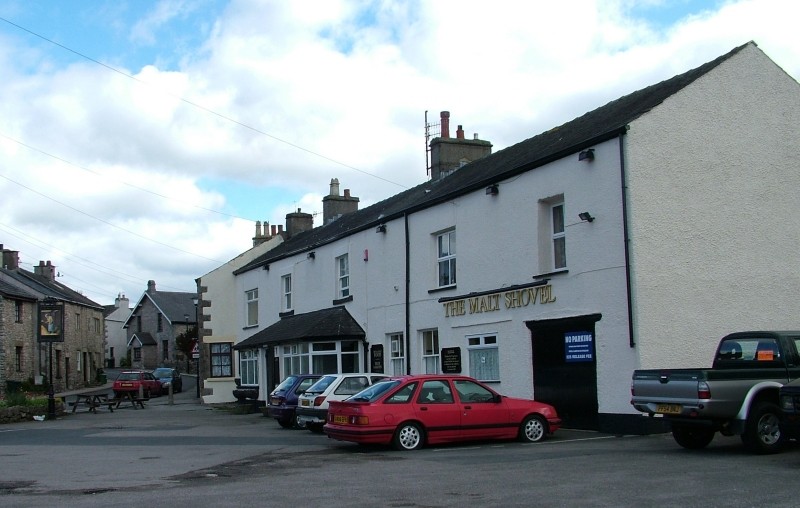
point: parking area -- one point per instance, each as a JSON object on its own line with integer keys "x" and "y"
{"x": 187, "y": 452}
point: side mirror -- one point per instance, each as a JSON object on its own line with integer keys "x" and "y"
{"x": 497, "y": 398}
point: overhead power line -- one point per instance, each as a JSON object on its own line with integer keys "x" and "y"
{"x": 201, "y": 107}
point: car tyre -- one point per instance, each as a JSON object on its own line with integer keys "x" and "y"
{"x": 408, "y": 436}
{"x": 692, "y": 438}
{"x": 533, "y": 429}
{"x": 286, "y": 424}
{"x": 762, "y": 432}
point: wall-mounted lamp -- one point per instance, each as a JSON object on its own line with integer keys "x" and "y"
{"x": 381, "y": 228}
{"x": 586, "y": 155}
{"x": 266, "y": 267}
{"x": 311, "y": 255}
{"x": 585, "y": 216}
{"x": 492, "y": 190}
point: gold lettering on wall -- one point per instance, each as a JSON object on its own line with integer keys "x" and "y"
{"x": 490, "y": 303}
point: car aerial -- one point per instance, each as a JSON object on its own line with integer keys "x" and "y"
{"x": 411, "y": 411}
{"x": 169, "y": 377}
{"x": 312, "y": 406}
{"x": 132, "y": 380}
{"x": 282, "y": 402}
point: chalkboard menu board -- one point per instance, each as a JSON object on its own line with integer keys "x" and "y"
{"x": 451, "y": 360}
{"x": 376, "y": 358}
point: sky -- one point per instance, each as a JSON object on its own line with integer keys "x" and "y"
{"x": 142, "y": 140}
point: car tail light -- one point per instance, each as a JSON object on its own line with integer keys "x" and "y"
{"x": 359, "y": 420}
{"x": 319, "y": 400}
{"x": 703, "y": 391}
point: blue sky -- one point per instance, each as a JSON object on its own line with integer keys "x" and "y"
{"x": 238, "y": 111}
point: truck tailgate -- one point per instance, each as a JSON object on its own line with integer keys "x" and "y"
{"x": 675, "y": 386}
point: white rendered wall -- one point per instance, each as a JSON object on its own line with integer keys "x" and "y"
{"x": 224, "y": 314}
{"x": 714, "y": 178}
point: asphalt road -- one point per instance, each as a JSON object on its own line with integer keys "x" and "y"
{"x": 190, "y": 454}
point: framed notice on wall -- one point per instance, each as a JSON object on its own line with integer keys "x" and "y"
{"x": 376, "y": 358}
{"x": 51, "y": 321}
{"x": 451, "y": 360}
{"x": 578, "y": 347}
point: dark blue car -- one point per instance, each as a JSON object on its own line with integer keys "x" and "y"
{"x": 282, "y": 402}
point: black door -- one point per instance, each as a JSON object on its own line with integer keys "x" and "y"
{"x": 565, "y": 368}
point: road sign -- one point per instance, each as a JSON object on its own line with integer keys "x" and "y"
{"x": 196, "y": 351}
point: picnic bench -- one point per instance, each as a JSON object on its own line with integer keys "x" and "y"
{"x": 92, "y": 401}
{"x": 131, "y": 397}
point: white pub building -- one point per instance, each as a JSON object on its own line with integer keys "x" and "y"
{"x": 634, "y": 236}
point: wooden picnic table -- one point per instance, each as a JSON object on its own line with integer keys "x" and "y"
{"x": 131, "y": 397}
{"x": 93, "y": 401}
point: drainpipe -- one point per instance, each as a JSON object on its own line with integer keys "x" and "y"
{"x": 627, "y": 239}
{"x": 408, "y": 296}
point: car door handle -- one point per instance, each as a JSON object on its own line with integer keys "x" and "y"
{"x": 423, "y": 408}
{"x": 467, "y": 407}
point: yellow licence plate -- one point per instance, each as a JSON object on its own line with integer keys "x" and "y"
{"x": 340, "y": 419}
{"x": 669, "y": 409}
{"x": 304, "y": 403}
{"x": 127, "y": 385}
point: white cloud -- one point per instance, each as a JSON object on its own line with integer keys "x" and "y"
{"x": 292, "y": 94}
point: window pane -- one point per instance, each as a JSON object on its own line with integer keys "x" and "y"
{"x": 484, "y": 364}
{"x": 558, "y": 219}
{"x": 560, "y": 252}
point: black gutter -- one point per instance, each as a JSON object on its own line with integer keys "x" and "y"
{"x": 626, "y": 238}
{"x": 408, "y": 297}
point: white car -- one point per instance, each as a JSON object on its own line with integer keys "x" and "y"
{"x": 312, "y": 405}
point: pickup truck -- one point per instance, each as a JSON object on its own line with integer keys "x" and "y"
{"x": 738, "y": 395}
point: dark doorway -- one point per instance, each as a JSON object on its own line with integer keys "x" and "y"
{"x": 565, "y": 368}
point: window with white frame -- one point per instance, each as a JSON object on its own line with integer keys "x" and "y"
{"x": 559, "y": 237}
{"x": 343, "y": 276}
{"x": 321, "y": 357}
{"x": 248, "y": 367}
{"x": 398, "y": 355}
{"x": 221, "y": 359}
{"x": 446, "y": 258}
{"x": 484, "y": 357}
{"x": 295, "y": 359}
{"x": 286, "y": 292}
{"x": 251, "y": 298}
{"x": 430, "y": 351}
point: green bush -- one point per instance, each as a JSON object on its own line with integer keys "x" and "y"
{"x": 16, "y": 399}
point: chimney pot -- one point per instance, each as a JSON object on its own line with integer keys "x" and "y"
{"x": 347, "y": 193}
{"x": 459, "y": 133}
{"x": 445, "y": 122}
{"x": 334, "y": 187}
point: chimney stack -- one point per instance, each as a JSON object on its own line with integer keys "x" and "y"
{"x": 445, "y": 124}
{"x": 10, "y": 258}
{"x": 151, "y": 286}
{"x": 459, "y": 133}
{"x": 298, "y": 222}
{"x": 45, "y": 270}
{"x": 334, "y": 205}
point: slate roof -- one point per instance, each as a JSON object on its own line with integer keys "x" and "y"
{"x": 12, "y": 291}
{"x": 604, "y": 123}
{"x": 334, "y": 323}
{"x": 174, "y": 305}
{"x": 144, "y": 337}
{"x": 43, "y": 285}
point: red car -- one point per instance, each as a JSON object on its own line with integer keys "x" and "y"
{"x": 131, "y": 380}
{"x": 410, "y": 411}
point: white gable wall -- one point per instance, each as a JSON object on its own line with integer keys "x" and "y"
{"x": 714, "y": 178}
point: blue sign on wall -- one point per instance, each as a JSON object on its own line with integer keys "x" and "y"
{"x": 578, "y": 347}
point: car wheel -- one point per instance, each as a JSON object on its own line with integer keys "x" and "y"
{"x": 117, "y": 395}
{"x": 316, "y": 428}
{"x": 762, "y": 433}
{"x": 146, "y": 393}
{"x": 409, "y": 436}
{"x": 298, "y": 424}
{"x": 286, "y": 424}
{"x": 533, "y": 429}
{"x": 692, "y": 438}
